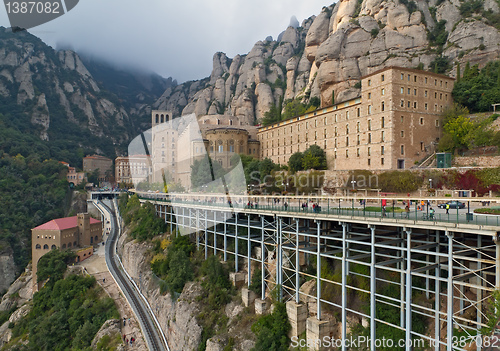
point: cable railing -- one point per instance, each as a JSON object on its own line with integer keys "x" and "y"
{"x": 400, "y": 209}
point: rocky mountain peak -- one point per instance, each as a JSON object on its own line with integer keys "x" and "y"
{"x": 329, "y": 53}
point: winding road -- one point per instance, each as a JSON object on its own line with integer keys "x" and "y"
{"x": 153, "y": 335}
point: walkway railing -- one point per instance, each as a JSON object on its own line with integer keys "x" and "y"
{"x": 394, "y": 208}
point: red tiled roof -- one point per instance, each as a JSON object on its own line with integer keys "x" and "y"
{"x": 63, "y": 223}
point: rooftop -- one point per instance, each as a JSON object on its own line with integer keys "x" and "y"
{"x": 63, "y": 223}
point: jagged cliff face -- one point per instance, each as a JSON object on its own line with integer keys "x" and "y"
{"x": 54, "y": 93}
{"x": 329, "y": 53}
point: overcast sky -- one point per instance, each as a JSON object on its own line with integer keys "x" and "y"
{"x": 171, "y": 38}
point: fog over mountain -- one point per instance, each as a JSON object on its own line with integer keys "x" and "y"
{"x": 171, "y": 38}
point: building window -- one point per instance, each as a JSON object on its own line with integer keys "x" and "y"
{"x": 221, "y": 148}
{"x": 422, "y": 148}
{"x": 357, "y": 127}
{"x": 382, "y": 161}
{"x": 435, "y": 107}
{"x": 382, "y": 150}
{"x": 425, "y": 80}
{"x": 382, "y": 136}
{"x": 425, "y": 93}
{"x": 346, "y": 153}
{"x": 335, "y": 118}
{"x": 435, "y": 82}
{"x": 335, "y": 154}
{"x": 402, "y": 149}
{"x": 415, "y": 92}
{"x": 402, "y": 76}
{"x": 437, "y": 123}
{"x": 369, "y": 151}
{"x": 402, "y": 90}
{"x": 357, "y": 152}
{"x": 346, "y": 141}
{"x": 409, "y": 104}
{"x": 359, "y": 112}
{"x": 335, "y": 131}
{"x": 347, "y": 129}
{"x": 409, "y": 91}
{"x": 382, "y": 122}
{"x": 415, "y": 79}
{"x": 383, "y": 91}
{"x": 370, "y": 110}
{"x": 425, "y": 106}
{"x": 441, "y": 96}
{"x": 315, "y": 135}
{"x": 369, "y": 95}
{"x": 383, "y": 77}
{"x": 231, "y": 148}
{"x": 369, "y": 124}
{"x": 415, "y": 104}
{"x": 369, "y": 82}
{"x": 409, "y": 77}
{"x": 347, "y": 115}
{"x": 335, "y": 143}
{"x": 402, "y": 134}
{"x": 402, "y": 103}
{"x": 369, "y": 138}
{"x": 382, "y": 107}
{"x": 421, "y": 121}
{"x": 359, "y": 140}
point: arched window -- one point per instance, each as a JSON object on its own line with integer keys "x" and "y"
{"x": 167, "y": 117}
{"x": 69, "y": 245}
{"x": 91, "y": 240}
{"x": 64, "y": 246}
{"x": 74, "y": 243}
{"x": 53, "y": 247}
{"x": 45, "y": 247}
{"x": 38, "y": 246}
{"x": 96, "y": 238}
{"x": 157, "y": 118}
{"x": 162, "y": 119}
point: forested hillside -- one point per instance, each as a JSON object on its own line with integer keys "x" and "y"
{"x": 33, "y": 188}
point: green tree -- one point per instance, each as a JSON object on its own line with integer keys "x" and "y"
{"x": 180, "y": 272}
{"x": 53, "y": 265}
{"x": 459, "y": 129}
{"x": 272, "y": 330}
{"x": 314, "y": 158}
{"x": 293, "y": 109}
{"x": 295, "y": 162}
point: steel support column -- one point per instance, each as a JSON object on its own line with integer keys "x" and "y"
{"x": 344, "y": 288}
{"x": 249, "y": 253}
{"x": 318, "y": 270}
{"x": 225, "y": 236}
{"x": 408, "y": 325}
{"x": 449, "y": 310}
{"x": 236, "y": 242}
{"x": 437, "y": 297}
{"x": 297, "y": 262}
{"x": 373, "y": 291}
{"x": 263, "y": 258}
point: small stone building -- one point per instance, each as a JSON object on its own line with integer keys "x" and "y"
{"x": 75, "y": 232}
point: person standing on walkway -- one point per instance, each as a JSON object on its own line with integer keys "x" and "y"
{"x": 447, "y": 208}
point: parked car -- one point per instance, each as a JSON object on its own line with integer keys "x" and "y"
{"x": 453, "y": 204}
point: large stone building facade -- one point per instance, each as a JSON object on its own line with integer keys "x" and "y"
{"x": 78, "y": 232}
{"x": 178, "y": 142}
{"x": 101, "y": 163}
{"x": 393, "y": 125}
{"x": 132, "y": 169}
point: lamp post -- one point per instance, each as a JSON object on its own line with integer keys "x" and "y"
{"x": 430, "y": 183}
